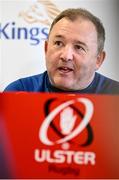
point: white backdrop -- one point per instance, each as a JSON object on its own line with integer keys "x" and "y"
{"x": 24, "y": 25}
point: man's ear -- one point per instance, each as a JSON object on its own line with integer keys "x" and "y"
{"x": 100, "y": 59}
{"x": 46, "y": 46}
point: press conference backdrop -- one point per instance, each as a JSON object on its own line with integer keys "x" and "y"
{"x": 24, "y": 25}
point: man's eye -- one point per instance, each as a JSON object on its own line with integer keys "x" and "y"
{"x": 78, "y": 47}
{"x": 58, "y": 43}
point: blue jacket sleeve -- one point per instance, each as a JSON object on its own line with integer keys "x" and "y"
{"x": 14, "y": 86}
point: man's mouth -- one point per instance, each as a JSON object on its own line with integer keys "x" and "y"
{"x": 65, "y": 69}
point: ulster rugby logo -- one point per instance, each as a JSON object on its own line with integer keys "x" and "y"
{"x": 66, "y": 124}
{"x": 68, "y": 115}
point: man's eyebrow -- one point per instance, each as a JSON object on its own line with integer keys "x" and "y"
{"x": 59, "y": 36}
{"x": 76, "y": 41}
{"x": 80, "y": 42}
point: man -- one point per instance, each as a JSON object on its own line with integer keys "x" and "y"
{"x": 74, "y": 52}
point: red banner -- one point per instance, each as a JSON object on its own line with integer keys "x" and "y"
{"x": 59, "y": 135}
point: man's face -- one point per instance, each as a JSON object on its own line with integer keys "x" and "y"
{"x": 71, "y": 54}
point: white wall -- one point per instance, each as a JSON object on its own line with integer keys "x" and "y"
{"x": 18, "y": 58}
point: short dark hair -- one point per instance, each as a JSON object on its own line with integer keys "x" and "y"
{"x": 73, "y": 13}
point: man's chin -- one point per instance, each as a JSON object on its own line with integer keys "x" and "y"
{"x": 63, "y": 83}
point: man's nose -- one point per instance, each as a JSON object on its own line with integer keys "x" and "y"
{"x": 67, "y": 53}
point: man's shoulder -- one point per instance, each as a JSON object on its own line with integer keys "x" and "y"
{"x": 31, "y": 83}
{"x": 34, "y": 78}
{"x": 107, "y": 85}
